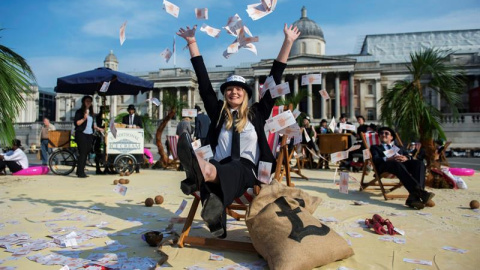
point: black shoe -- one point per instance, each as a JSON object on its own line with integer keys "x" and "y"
{"x": 414, "y": 202}
{"x": 217, "y": 230}
{"x": 212, "y": 209}
{"x": 189, "y": 162}
{"x": 188, "y": 186}
{"x": 426, "y": 196}
{"x": 99, "y": 172}
{"x": 82, "y": 176}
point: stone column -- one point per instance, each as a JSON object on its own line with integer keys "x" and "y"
{"x": 350, "y": 96}
{"x": 310, "y": 101}
{"x": 363, "y": 90}
{"x": 178, "y": 94}
{"x": 189, "y": 97}
{"x": 57, "y": 109}
{"x": 295, "y": 87}
{"x": 337, "y": 95}
{"x": 150, "y": 96}
{"x": 256, "y": 90}
{"x": 323, "y": 109}
{"x": 378, "y": 96}
{"x": 160, "y": 108}
{"x": 193, "y": 96}
{"x": 475, "y": 82}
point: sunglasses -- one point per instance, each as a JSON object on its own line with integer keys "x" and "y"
{"x": 385, "y": 133}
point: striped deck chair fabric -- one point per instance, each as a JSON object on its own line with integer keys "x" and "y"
{"x": 172, "y": 144}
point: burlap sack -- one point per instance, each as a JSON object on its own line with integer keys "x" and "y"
{"x": 286, "y": 234}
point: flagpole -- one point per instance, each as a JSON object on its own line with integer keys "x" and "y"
{"x": 174, "y": 53}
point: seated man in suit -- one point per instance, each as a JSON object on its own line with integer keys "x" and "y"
{"x": 410, "y": 172}
{"x": 132, "y": 120}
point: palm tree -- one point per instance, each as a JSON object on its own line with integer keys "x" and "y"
{"x": 16, "y": 76}
{"x": 172, "y": 105}
{"x": 405, "y": 107}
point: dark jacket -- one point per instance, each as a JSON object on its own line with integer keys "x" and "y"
{"x": 378, "y": 155}
{"x": 202, "y": 122}
{"x": 259, "y": 111}
{"x": 79, "y": 115}
{"x": 137, "y": 120}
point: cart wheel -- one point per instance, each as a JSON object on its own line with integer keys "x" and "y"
{"x": 124, "y": 163}
{"x": 62, "y": 162}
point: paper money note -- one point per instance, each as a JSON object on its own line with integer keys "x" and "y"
{"x": 291, "y": 131}
{"x": 213, "y": 32}
{"x": 312, "y": 79}
{"x": 122, "y": 33}
{"x": 181, "y": 208}
{"x": 280, "y": 121}
{"x": 417, "y": 261}
{"x": 120, "y": 189}
{"x": 335, "y": 157}
{"x": 166, "y": 54}
{"x": 332, "y": 124}
{"x": 344, "y": 182}
{"x": 204, "y": 152}
{"x": 233, "y": 26}
{"x": 344, "y": 126}
{"x": 104, "y": 87}
{"x": 366, "y": 154}
{"x": 264, "y": 169}
{"x": 189, "y": 112}
{"x": 171, "y": 8}
{"x": 196, "y": 144}
{"x": 280, "y": 90}
{"x": 324, "y": 94}
{"x": 201, "y": 13}
{"x": 458, "y": 250}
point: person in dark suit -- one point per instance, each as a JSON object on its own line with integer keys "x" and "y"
{"x": 202, "y": 122}
{"x": 410, "y": 172}
{"x": 362, "y": 127}
{"x": 132, "y": 120}
{"x": 84, "y": 128}
{"x": 236, "y": 135}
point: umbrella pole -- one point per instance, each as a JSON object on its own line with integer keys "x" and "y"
{"x": 107, "y": 116}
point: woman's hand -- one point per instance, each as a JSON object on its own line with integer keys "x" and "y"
{"x": 189, "y": 34}
{"x": 291, "y": 33}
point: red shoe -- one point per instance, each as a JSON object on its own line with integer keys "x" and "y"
{"x": 390, "y": 227}
{"x": 378, "y": 219}
{"x": 377, "y": 227}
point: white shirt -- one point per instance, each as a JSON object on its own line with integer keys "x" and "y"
{"x": 249, "y": 147}
{"x": 18, "y": 156}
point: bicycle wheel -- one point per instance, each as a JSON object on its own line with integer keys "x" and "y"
{"x": 62, "y": 162}
{"x": 124, "y": 163}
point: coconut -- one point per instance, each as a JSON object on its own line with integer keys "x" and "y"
{"x": 474, "y": 204}
{"x": 430, "y": 203}
{"x": 149, "y": 202}
{"x": 123, "y": 181}
{"x": 159, "y": 199}
{"x": 122, "y": 174}
{"x": 127, "y": 173}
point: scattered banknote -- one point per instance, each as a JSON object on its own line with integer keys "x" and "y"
{"x": 312, "y": 79}
{"x": 280, "y": 121}
{"x": 335, "y": 157}
{"x": 104, "y": 87}
{"x": 345, "y": 126}
{"x": 189, "y": 112}
{"x": 122, "y": 33}
{"x": 355, "y": 234}
{"x": 171, "y": 8}
{"x": 366, "y": 154}
{"x": 233, "y": 26}
{"x": 166, "y": 54}
{"x": 417, "y": 261}
{"x": 324, "y": 94}
{"x": 196, "y": 144}
{"x": 201, "y": 13}
{"x": 181, "y": 208}
{"x": 154, "y": 101}
{"x": 204, "y": 152}
{"x": 213, "y": 32}
{"x": 296, "y": 113}
{"x": 120, "y": 189}
{"x": 458, "y": 250}
{"x": 354, "y": 147}
{"x": 332, "y": 124}
{"x": 280, "y": 90}
{"x": 344, "y": 182}
{"x": 262, "y": 9}
{"x": 264, "y": 171}
{"x": 291, "y": 131}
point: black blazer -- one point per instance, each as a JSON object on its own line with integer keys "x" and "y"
{"x": 79, "y": 115}
{"x": 137, "y": 120}
{"x": 259, "y": 111}
{"x": 378, "y": 155}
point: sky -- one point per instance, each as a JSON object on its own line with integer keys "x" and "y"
{"x": 59, "y": 38}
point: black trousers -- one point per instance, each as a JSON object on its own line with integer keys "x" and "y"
{"x": 13, "y": 166}
{"x": 84, "y": 144}
{"x": 411, "y": 173}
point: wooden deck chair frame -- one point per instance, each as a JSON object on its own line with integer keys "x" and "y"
{"x": 442, "y": 159}
{"x": 376, "y": 183}
{"x": 175, "y": 163}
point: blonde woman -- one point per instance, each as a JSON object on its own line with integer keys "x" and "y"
{"x": 236, "y": 135}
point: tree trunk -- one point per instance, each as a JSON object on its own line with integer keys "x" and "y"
{"x": 158, "y": 138}
{"x": 430, "y": 153}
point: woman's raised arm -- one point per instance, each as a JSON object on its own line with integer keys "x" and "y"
{"x": 189, "y": 36}
{"x": 291, "y": 34}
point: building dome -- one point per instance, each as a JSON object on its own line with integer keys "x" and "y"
{"x": 111, "y": 61}
{"x": 111, "y": 57}
{"x": 307, "y": 27}
{"x": 311, "y": 40}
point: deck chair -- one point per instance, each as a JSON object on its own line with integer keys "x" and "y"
{"x": 369, "y": 139}
{"x": 172, "y": 148}
{"x": 442, "y": 159}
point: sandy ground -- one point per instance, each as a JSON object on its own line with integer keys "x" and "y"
{"x": 37, "y": 205}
